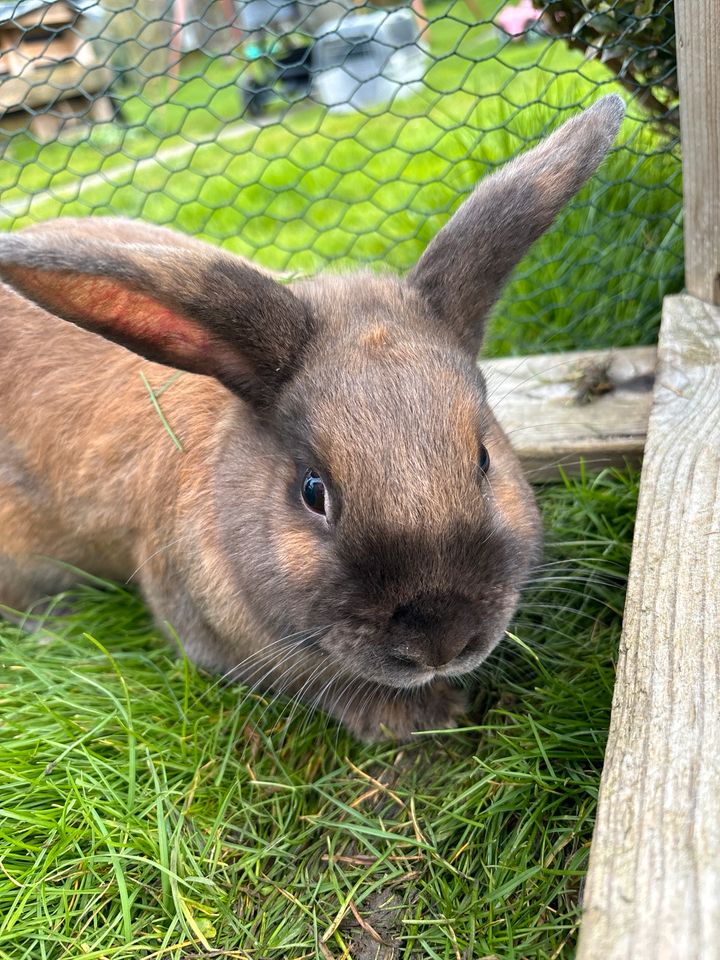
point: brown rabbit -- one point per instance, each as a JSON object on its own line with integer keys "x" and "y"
{"x": 346, "y": 521}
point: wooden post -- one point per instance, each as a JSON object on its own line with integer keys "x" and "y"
{"x": 653, "y": 888}
{"x": 698, "y": 49}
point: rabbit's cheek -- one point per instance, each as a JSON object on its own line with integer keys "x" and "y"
{"x": 297, "y": 553}
{"x": 518, "y": 510}
{"x": 512, "y": 499}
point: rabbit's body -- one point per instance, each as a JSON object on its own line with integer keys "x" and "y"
{"x": 72, "y": 490}
{"x": 120, "y": 500}
{"x": 333, "y": 525}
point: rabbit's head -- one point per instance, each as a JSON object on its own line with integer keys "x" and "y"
{"x": 385, "y": 512}
{"x": 414, "y": 525}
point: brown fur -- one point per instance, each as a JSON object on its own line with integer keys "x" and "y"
{"x": 376, "y": 338}
{"x": 296, "y": 553}
{"x": 370, "y": 381}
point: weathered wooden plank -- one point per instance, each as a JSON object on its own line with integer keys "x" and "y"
{"x": 46, "y": 85}
{"x": 53, "y": 14}
{"x": 560, "y": 408}
{"x": 698, "y": 48}
{"x": 653, "y": 889}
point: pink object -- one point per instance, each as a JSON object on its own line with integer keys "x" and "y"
{"x": 516, "y": 19}
{"x": 175, "y": 49}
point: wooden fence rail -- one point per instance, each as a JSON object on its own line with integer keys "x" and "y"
{"x": 561, "y": 409}
{"x": 653, "y": 888}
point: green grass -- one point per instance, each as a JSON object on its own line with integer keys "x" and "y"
{"x": 147, "y": 811}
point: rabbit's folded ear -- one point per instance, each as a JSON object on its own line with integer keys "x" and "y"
{"x": 463, "y": 270}
{"x": 190, "y": 306}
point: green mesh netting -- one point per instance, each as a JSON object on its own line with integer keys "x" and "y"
{"x": 307, "y": 134}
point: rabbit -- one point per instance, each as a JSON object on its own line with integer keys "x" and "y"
{"x": 345, "y": 522}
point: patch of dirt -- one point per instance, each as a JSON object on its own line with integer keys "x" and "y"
{"x": 378, "y": 922}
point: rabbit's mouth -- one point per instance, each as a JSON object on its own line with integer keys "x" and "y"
{"x": 404, "y": 673}
{"x": 409, "y": 670}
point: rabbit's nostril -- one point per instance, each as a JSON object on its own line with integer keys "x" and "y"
{"x": 447, "y": 649}
{"x": 464, "y": 649}
{"x": 405, "y": 660}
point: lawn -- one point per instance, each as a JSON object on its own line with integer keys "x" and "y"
{"x": 147, "y": 811}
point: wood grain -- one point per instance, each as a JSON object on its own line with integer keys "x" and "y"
{"x": 653, "y": 889}
{"x": 563, "y": 407}
{"x": 698, "y": 52}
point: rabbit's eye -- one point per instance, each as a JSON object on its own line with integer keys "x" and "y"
{"x": 313, "y": 492}
{"x": 484, "y": 462}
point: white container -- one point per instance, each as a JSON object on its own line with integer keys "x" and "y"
{"x": 366, "y": 59}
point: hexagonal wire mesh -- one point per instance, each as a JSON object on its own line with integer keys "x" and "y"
{"x": 303, "y": 133}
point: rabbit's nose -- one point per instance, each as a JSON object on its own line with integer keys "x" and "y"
{"x": 425, "y": 611}
{"x": 435, "y": 652}
{"x": 436, "y": 623}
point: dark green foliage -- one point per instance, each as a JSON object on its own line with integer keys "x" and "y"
{"x": 634, "y": 38}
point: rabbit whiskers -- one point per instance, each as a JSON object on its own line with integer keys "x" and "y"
{"x": 264, "y": 667}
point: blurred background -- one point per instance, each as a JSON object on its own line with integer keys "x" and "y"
{"x": 313, "y": 133}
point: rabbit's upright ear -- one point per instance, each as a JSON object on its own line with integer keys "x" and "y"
{"x": 189, "y": 305}
{"x": 463, "y": 270}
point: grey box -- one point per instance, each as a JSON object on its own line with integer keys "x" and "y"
{"x": 366, "y": 59}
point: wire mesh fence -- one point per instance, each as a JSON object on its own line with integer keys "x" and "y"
{"x": 309, "y": 133}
